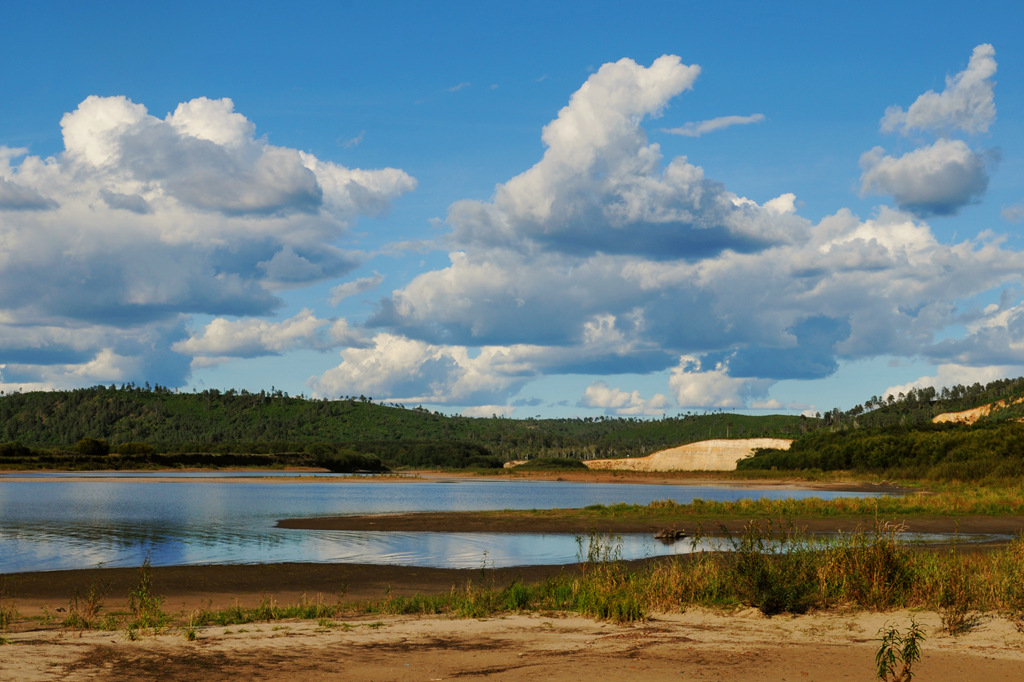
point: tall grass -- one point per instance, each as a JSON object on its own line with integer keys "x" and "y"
{"x": 939, "y": 500}
{"x": 772, "y": 567}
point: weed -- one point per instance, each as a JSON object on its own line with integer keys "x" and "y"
{"x": 83, "y": 612}
{"x": 191, "y": 631}
{"x": 898, "y": 649}
{"x": 144, "y": 606}
{"x": 956, "y": 595}
{"x": 267, "y": 610}
{"x": 8, "y": 614}
{"x": 516, "y": 596}
{"x": 776, "y": 576}
{"x": 325, "y": 624}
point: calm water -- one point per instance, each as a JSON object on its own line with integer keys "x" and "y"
{"x": 62, "y": 523}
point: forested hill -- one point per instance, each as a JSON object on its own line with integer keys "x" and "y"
{"x": 897, "y": 438}
{"x": 233, "y": 421}
{"x": 920, "y": 406}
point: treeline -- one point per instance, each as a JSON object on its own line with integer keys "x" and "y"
{"x": 94, "y": 454}
{"x": 988, "y": 450}
{"x": 919, "y": 405}
{"x": 274, "y": 422}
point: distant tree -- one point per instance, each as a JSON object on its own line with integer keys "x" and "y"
{"x": 93, "y": 447}
{"x": 13, "y": 449}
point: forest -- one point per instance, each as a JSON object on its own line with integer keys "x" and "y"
{"x": 153, "y": 426}
{"x": 135, "y": 422}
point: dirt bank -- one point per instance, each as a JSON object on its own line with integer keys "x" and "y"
{"x": 707, "y": 455}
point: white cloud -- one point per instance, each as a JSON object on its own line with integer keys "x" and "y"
{"x": 601, "y": 240}
{"x": 16, "y": 198}
{"x": 952, "y": 374}
{"x": 696, "y": 387}
{"x": 599, "y": 186}
{"x": 142, "y": 221}
{"x": 248, "y": 338}
{"x": 488, "y": 411}
{"x": 353, "y": 288}
{"x": 412, "y": 371}
{"x": 616, "y": 401}
{"x": 698, "y": 128}
{"x": 967, "y": 103}
{"x": 935, "y": 180}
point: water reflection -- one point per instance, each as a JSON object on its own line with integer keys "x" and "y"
{"x": 61, "y": 523}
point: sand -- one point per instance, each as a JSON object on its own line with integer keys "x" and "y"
{"x": 707, "y": 455}
{"x": 693, "y": 645}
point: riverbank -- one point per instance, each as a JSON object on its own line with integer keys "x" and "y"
{"x": 301, "y": 474}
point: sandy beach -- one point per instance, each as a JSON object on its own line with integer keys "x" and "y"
{"x": 694, "y": 645}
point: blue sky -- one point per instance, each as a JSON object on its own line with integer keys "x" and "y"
{"x": 514, "y": 208}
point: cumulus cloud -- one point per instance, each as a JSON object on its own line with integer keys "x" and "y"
{"x": 698, "y": 128}
{"x": 248, "y": 338}
{"x": 935, "y": 180}
{"x": 967, "y": 103}
{"x": 951, "y": 375}
{"x": 694, "y": 386}
{"x": 142, "y": 221}
{"x": 947, "y": 175}
{"x": 616, "y": 401}
{"x": 16, "y": 198}
{"x": 600, "y": 185}
{"x": 407, "y": 370}
{"x": 488, "y": 411}
{"x": 605, "y": 258}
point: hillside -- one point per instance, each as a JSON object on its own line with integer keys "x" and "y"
{"x": 959, "y": 434}
{"x": 274, "y": 422}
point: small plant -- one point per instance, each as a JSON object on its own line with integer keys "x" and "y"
{"x": 325, "y": 624}
{"x": 191, "y": 631}
{"x": 267, "y": 610}
{"x": 956, "y": 595}
{"x": 83, "y": 612}
{"x": 8, "y": 614}
{"x": 898, "y": 650}
{"x": 597, "y": 548}
{"x": 143, "y": 605}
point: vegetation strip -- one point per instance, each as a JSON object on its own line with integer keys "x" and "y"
{"x": 776, "y": 569}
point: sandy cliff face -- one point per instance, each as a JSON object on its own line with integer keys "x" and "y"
{"x": 972, "y": 415}
{"x": 708, "y": 455}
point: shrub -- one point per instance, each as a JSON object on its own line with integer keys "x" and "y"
{"x": 135, "y": 448}
{"x": 93, "y": 447}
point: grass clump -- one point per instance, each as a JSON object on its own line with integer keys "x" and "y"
{"x": 144, "y": 606}
{"x": 8, "y": 614}
{"x": 84, "y": 611}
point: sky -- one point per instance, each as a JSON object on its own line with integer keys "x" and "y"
{"x": 514, "y": 209}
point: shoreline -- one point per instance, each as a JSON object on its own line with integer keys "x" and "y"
{"x": 689, "y": 478}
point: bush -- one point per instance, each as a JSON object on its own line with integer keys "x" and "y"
{"x": 551, "y": 464}
{"x": 93, "y": 447}
{"x": 14, "y": 450}
{"x": 135, "y": 448}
